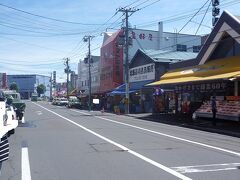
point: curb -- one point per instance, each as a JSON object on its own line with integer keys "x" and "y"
{"x": 207, "y": 129}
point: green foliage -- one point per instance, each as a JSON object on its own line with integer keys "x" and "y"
{"x": 13, "y": 86}
{"x": 41, "y": 89}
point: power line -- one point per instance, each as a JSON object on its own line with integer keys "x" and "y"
{"x": 32, "y": 44}
{"x": 193, "y": 16}
{"x": 44, "y": 17}
{"x": 141, "y": 3}
{"x": 18, "y": 20}
{"x": 203, "y": 18}
{"x": 204, "y": 25}
{"x": 149, "y": 4}
{"x": 39, "y": 32}
{"x": 28, "y": 63}
{"x": 131, "y": 3}
{"x": 94, "y": 31}
{"x": 183, "y": 15}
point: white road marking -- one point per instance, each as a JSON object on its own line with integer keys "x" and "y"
{"x": 39, "y": 112}
{"x": 156, "y": 164}
{"x": 26, "y": 173}
{"x": 207, "y": 168}
{"x": 167, "y": 135}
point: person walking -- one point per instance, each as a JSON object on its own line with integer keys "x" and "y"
{"x": 103, "y": 102}
{"x": 214, "y": 110}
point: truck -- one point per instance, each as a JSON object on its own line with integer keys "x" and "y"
{"x": 13, "y": 98}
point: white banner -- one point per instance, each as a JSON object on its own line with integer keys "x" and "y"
{"x": 142, "y": 73}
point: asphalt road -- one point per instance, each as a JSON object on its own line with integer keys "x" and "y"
{"x": 57, "y": 143}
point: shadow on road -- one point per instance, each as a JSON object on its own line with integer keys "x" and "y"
{"x": 227, "y": 127}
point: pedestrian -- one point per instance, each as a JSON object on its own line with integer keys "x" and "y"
{"x": 214, "y": 110}
{"x": 103, "y": 102}
{"x": 2, "y": 98}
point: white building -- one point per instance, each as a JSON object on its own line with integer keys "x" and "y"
{"x": 159, "y": 40}
{"x": 83, "y": 75}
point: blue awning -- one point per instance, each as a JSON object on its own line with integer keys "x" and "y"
{"x": 133, "y": 86}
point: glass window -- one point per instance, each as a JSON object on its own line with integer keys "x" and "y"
{"x": 181, "y": 47}
{"x": 196, "y": 48}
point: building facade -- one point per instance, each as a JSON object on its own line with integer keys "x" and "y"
{"x": 3, "y": 80}
{"x": 112, "y": 55}
{"x": 83, "y": 76}
{"x": 160, "y": 40}
{"x": 27, "y": 84}
{"x": 147, "y": 66}
{"x": 111, "y": 73}
{"x": 215, "y": 72}
{"x": 73, "y": 80}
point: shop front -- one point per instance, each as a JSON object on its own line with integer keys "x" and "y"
{"x": 139, "y": 97}
{"x": 195, "y": 86}
{"x": 215, "y": 72}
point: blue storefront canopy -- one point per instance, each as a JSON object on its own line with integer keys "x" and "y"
{"x": 133, "y": 86}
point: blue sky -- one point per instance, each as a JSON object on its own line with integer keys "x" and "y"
{"x": 30, "y": 44}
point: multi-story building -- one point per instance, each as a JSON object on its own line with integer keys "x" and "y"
{"x": 111, "y": 65}
{"x": 159, "y": 40}
{"x": 112, "y": 55}
{"x": 27, "y": 84}
{"x": 3, "y": 80}
{"x": 73, "y": 80}
{"x": 83, "y": 75}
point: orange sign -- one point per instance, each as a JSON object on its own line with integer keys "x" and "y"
{"x": 233, "y": 98}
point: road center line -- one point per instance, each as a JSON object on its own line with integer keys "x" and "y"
{"x": 26, "y": 174}
{"x": 156, "y": 164}
{"x": 166, "y": 135}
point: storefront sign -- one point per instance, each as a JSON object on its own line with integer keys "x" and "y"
{"x": 203, "y": 87}
{"x": 142, "y": 36}
{"x": 233, "y": 98}
{"x": 142, "y": 73}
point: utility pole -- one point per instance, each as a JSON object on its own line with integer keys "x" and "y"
{"x": 126, "y": 11}
{"x": 50, "y": 97}
{"x": 67, "y": 70}
{"x": 88, "y": 39}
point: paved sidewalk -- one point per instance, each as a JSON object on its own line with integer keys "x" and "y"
{"x": 230, "y": 128}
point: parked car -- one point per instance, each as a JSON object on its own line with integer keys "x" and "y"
{"x": 54, "y": 101}
{"x": 62, "y": 101}
{"x": 74, "y": 102}
{"x": 34, "y": 97}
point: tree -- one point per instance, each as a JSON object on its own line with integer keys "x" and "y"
{"x": 41, "y": 89}
{"x": 13, "y": 86}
